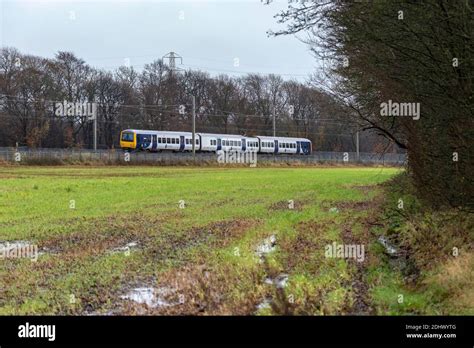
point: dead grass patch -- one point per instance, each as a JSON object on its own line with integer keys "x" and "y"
{"x": 456, "y": 279}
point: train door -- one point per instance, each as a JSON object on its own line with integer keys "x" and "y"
{"x": 219, "y": 144}
{"x": 154, "y": 143}
{"x": 298, "y": 146}
{"x": 276, "y": 146}
{"x": 181, "y": 143}
{"x": 244, "y": 145}
{"x": 305, "y": 147}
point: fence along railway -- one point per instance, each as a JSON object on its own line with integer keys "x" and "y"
{"x": 116, "y": 156}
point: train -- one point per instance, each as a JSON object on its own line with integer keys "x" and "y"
{"x": 156, "y": 141}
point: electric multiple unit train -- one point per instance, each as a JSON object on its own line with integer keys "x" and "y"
{"x": 155, "y": 141}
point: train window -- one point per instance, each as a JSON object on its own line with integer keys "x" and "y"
{"x": 168, "y": 140}
{"x": 127, "y": 136}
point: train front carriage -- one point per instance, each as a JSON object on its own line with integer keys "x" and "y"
{"x": 128, "y": 139}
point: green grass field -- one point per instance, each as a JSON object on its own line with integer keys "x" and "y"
{"x": 195, "y": 231}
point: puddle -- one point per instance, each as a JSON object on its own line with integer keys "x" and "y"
{"x": 151, "y": 297}
{"x": 267, "y": 246}
{"x": 266, "y": 303}
{"x": 389, "y": 248}
{"x": 280, "y": 281}
{"x": 125, "y": 248}
{"x": 99, "y": 314}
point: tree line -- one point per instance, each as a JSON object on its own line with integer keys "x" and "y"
{"x": 33, "y": 88}
{"x": 403, "y": 54}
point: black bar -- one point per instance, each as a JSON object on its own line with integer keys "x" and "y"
{"x": 346, "y": 330}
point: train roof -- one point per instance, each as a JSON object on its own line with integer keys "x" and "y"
{"x": 281, "y": 138}
{"x": 155, "y": 132}
{"x": 226, "y": 135}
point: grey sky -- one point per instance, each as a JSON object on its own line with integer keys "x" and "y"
{"x": 209, "y": 35}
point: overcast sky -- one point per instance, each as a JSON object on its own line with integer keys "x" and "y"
{"x": 213, "y": 36}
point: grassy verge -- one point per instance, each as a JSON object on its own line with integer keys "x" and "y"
{"x": 432, "y": 270}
